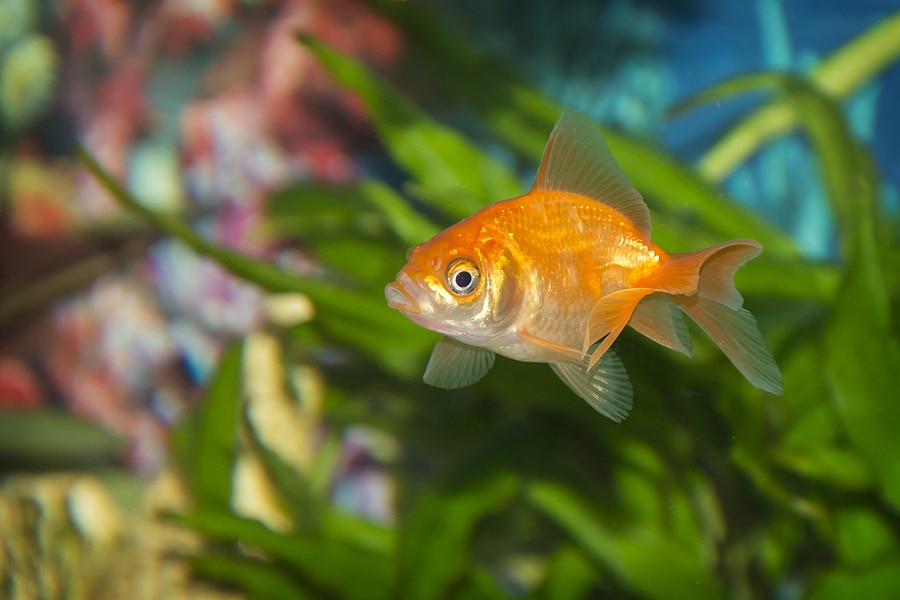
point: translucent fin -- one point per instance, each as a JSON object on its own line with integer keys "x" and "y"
{"x": 681, "y": 274}
{"x": 454, "y": 364}
{"x": 717, "y": 272}
{"x": 577, "y": 160}
{"x": 736, "y": 333}
{"x": 702, "y": 285}
{"x": 660, "y": 320}
{"x": 605, "y": 386}
{"x": 609, "y": 317}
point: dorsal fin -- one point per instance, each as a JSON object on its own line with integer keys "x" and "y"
{"x": 577, "y": 160}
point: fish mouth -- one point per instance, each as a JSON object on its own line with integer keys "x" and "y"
{"x": 398, "y": 297}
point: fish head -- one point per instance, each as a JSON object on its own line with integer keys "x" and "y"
{"x": 463, "y": 283}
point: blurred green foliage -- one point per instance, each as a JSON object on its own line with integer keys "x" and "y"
{"x": 54, "y": 440}
{"x": 29, "y": 68}
{"x": 514, "y": 487}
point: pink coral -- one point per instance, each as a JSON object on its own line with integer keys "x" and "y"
{"x": 253, "y": 111}
{"x": 18, "y": 386}
{"x": 91, "y": 23}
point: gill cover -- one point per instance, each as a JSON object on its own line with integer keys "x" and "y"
{"x": 463, "y": 358}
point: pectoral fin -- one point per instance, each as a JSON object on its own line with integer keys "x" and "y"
{"x": 550, "y": 351}
{"x": 454, "y": 364}
{"x": 605, "y": 386}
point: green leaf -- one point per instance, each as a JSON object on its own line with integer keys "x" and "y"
{"x": 522, "y": 118}
{"x": 864, "y": 537}
{"x": 756, "y": 465}
{"x": 794, "y": 278}
{"x": 863, "y": 359}
{"x": 214, "y": 452}
{"x": 358, "y": 532}
{"x": 358, "y": 318}
{"x": 367, "y": 210}
{"x": 673, "y": 186}
{"x": 838, "y": 467}
{"x": 258, "y": 579}
{"x": 863, "y": 356}
{"x": 570, "y": 575}
{"x": 838, "y": 75}
{"x": 876, "y": 583}
{"x": 295, "y": 489}
{"x": 643, "y": 559}
{"x": 326, "y": 461}
{"x": 433, "y": 550}
{"x": 678, "y": 189}
{"x": 455, "y": 174}
{"x": 408, "y": 225}
{"x": 314, "y": 211}
{"x": 258, "y": 272}
{"x": 332, "y": 567}
{"x": 514, "y": 110}
{"x": 480, "y": 585}
{"x": 847, "y": 170}
{"x": 56, "y": 440}
{"x": 371, "y": 262}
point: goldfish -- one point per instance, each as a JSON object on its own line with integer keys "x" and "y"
{"x": 555, "y": 275}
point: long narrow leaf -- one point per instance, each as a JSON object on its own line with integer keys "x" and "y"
{"x": 863, "y": 355}
{"x": 842, "y": 73}
{"x": 217, "y": 434}
{"x": 643, "y": 559}
{"x": 409, "y": 225}
{"x": 335, "y": 568}
{"x": 522, "y": 118}
{"x": 54, "y": 439}
{"x": 863, "y": 360}
{"x": 260, "y": 273}
{"x": 875, "y": 583}
{"x": 434, "y": 545}
{"x": 258, "y": 579}
{"x": 847, "y": 169}
{"x": 358, "y": 532}
{"x": 457, "y": 175}
{"x": 293, "y": 486}
{"x": 514, "y": 110}
{"x": 569, "y": 575}
{"x": 360, "y": 319}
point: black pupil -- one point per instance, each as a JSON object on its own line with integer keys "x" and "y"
{"x": 463, "y": 279}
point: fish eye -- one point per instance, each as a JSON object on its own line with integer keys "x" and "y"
{"x": 462, "y": 276}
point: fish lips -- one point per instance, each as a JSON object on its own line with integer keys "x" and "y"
{"x": 398, "y": 295}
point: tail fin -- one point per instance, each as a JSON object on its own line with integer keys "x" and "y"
{"x": 717, "y": 307}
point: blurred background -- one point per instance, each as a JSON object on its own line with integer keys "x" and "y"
{"x": 203, "y": 393}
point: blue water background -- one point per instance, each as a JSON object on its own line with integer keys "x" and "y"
{"x": 625, "y": 62}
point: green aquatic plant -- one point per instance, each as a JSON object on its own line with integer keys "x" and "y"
{"x": 29, "y": 67}
{"x": 837, "y": 76}
{"x": 514, "y": 488}
{"x": 28, "y": 75}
